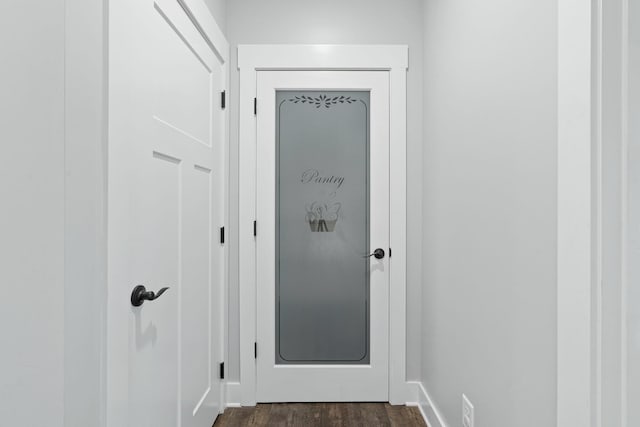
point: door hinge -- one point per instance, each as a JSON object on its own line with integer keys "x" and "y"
{"x": 222, "y": 370}
{"x": 223, "y": 99}
{"x": 255, "y": 350}
{"x": 389, "y": 252}
{"x": 222, "y": 235}
{"x": 255, "y": 228}
{"x": 255, "y": 106}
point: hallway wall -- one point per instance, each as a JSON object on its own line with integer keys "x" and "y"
{"x": 32, "y": 215}
{"x": 218, "y": 9}
{"x": 489, "y": 203}
{"x": 337, "y": 22}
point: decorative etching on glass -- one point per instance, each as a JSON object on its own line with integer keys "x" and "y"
{"x": 323, "y": 100}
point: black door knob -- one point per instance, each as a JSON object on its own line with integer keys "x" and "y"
{"x": 378, "y": 254}
{"x": 140, "y": 294}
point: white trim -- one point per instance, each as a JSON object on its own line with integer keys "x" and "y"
{"x": 596, "y": 182}
{"x": 205, "y": 22}
{"x": 592, "y": 369}
{"x": 246, "y": 241}
{"x": 575, "y": 214}
{"x": 624, "y": 229}
{"x": 199, "y": 12}
{"x": 233, "y": 395}
{"x": 429, "y": 411}
{"x": 394, "y": 59}
{"x": 398, "y": 235}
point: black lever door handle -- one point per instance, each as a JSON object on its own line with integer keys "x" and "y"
{"x": 378, "y": 254}
{"x": 140, "y": 294}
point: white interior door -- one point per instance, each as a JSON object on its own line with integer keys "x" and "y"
{"x": 322, "y": 209}
{"x": 166, "y": 203}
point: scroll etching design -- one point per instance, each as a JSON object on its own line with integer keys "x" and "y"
{"x": 323, "y": 100}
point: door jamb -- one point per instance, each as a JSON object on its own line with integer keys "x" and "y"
{"x": 391, "y": 58}
{"x": 578, "y": 213}
{"x": 204, "y": 20}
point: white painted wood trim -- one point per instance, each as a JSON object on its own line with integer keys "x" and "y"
{"x": 624, "y": 231}
{"x": 252, "y": 58}
{"x": 224, "y": 295}
{"x": 429, "y": 411}
{"x": 575, "y": 214}
{"x": 398, "y": 237}
{"x": 200, "y": 14}
{"x": 233, "y": 394}
{"x": 597, "y": 224}
{"x": 246, "y": 240}
{"x": 206, "y": 23}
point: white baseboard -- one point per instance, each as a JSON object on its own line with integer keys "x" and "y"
{"x": 427, "y": 408}
{"x": 233, "y": 397}
{"x": 416, "y": 396}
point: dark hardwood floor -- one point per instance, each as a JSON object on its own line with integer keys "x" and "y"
{"x": 322, "y": 415}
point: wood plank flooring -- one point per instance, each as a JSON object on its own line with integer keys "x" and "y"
{"x": 322, "y": 415}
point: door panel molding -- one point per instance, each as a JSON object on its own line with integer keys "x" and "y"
{"x": 181, "y": 136}
{"x": 394, "y": 60}
{"x": 576, "y": 219}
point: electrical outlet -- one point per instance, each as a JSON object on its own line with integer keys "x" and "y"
{"x": 467, "y": 412}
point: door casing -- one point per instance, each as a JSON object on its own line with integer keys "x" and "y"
{"x": 390, "y": 58}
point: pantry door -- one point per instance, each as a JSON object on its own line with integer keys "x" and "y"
{"x": 323, "y": 236}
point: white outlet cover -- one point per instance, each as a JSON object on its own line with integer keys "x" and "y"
{"x": 467, "y": 412}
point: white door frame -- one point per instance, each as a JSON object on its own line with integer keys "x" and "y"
{"x": 609, "y": 176}
{"x": 394, "y": 59}
{"x": 213, "y": 35}
{"x": 580, "y": 203}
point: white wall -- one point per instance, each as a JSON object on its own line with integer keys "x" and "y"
{"x": 52, "y": 226}
{"x": 489, "y": 203}
{"x": 32, "y": 214}
{"x": 335, "y": 22}
{"x": 218, "y": 9}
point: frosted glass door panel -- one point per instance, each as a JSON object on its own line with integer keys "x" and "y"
{"x": 322, "y": 227}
